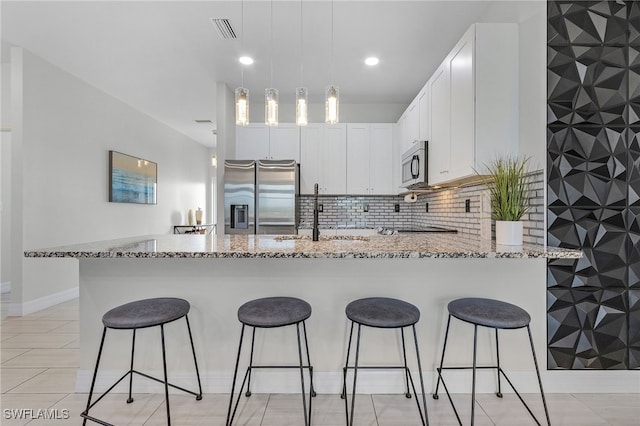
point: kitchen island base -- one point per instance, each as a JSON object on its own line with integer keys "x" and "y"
{"x": 217, "y": 287}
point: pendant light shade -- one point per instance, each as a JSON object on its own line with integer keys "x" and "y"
{"x": 332, "y": 105}
{"x": 271, "y": 107}
{"x": 301, "y": 106}
{"x": 242, "y": 106}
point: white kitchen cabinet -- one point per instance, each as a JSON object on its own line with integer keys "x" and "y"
{"x": 369, "y": 159}
{"x": 323, "y": 158}
{"x": 252, "y": 142}
{"x": 358, "y": 158}
{"x": 474, "y": 103}
{"x": 284, "y": 142}
{"x": 333, "y": 153}
{"x": 424, "y": 110}
{"x": 439, "y": 148}
{"x": 310, "y": 166}
{"x": 258, "y": 141}
{"x": 381, "y": 159}
{"x": 462, "y": 108}
{"x": 412, "y": 125}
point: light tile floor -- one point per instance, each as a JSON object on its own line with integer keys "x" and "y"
{"x": 39, "y": 358}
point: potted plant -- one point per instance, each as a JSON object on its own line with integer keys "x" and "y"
{"x": 508, "y": 182}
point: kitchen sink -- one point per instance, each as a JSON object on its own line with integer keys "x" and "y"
{"x": 337, "y": 238}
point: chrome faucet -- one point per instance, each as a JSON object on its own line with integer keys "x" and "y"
{"x": 316, "y": 232}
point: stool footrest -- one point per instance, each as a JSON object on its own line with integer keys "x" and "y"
{"x": 88, "y": 417}
{"x": 500, "y": 371}
{"x": 310, "y": 367}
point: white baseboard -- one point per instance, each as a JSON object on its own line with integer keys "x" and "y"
{"x": 377, "y": 382}
{"x": 31, "y": 306}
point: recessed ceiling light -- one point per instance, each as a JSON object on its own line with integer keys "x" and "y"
{"x": 246, "y": 60}
{"x": 371, "y": 61}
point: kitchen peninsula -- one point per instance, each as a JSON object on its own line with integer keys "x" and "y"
{"x": 216, "y": 274}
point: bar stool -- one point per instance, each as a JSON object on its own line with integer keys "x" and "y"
{"x": 492, "y": 314}
{"x": 383, "y": 312}
{"x": 272, "y": 312}
{"x": 143, "y": 314}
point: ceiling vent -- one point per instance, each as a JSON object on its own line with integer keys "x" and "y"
{"x": 203, "y": 121}
{"x": 224, "y": 28}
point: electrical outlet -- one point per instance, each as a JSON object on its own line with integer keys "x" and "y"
{"x": 320, "y": 207}
{"x": 467, "y": 205}
{"x": 365, "y": 208}
{"x": 426, "y": 207}
{"x": 396, "y": 208}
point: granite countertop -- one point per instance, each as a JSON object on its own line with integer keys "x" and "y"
{"x": 298, "y": 246}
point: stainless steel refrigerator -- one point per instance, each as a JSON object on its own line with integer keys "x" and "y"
{"x": 260, "y": 197}
{"x": 239, "y": 197}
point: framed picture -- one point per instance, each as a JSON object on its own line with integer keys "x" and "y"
{"x": 132, "y": 179}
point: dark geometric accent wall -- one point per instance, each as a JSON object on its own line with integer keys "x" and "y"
{"x": 593, "y": 163}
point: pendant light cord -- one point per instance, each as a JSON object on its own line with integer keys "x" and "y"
{"x": 271, "y": 43}
{"x": 241, "y": 41}
{"x": 331, "y": 41}
{"x": 301, "y": 46}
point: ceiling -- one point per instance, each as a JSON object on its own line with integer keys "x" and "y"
{"x": 164, "y": 58}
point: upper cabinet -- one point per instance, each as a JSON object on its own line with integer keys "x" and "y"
{"x": 323, "y": 158}
{"x": 261, "y": 142}
{"x": 468, "y": 110}
{"x": 411, "y": 131}
{"x": 369, "y": 159}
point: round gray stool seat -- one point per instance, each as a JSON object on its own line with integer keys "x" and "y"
{"x": 382, "y": 312}
{"x": 146, "y": 313}
{"x": 274, "y": 312}
{"x": 489, "y": 313}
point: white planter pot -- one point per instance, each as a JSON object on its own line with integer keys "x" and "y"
{"x": 509, "y": 233}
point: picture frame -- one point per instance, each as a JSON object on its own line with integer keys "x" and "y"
{"x": 132, "y": 179}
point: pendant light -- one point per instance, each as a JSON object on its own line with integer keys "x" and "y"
{"x": 332, "y": 93}
{"x": 242, "y": 93}
{"x": 271, "y": 94}
{"x": 302, "y": 93}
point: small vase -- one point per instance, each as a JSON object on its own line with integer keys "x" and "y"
{"x": 190, "y": 217}
{"x": 199, "y": 216}
{"x": 509, "y": 233}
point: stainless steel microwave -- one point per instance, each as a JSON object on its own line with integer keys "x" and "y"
{"x": 415, "y": 166}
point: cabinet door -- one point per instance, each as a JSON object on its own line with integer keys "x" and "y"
{"x": 310, "y": 142}
{"x": 462, "y": 109}
{"x": 252, "y": 142}
{"x": 381, "y": 158}
{"x": 412, "y": 125}
{"x": 424, "y": 107}
{"x": 334, "y": 159}
{"x": 440, "y": 142}
{"x": 358, "y": 158}
{"x": 284, "y": 142}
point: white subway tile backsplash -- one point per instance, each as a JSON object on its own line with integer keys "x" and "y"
{"x": 446, "y": 209}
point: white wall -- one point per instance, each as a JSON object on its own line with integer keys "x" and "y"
{"x": 531, "y": 17}
{"x": 66, "y": 129}
{"x": 5, "y": 175}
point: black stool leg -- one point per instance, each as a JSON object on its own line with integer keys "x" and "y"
{"x": 166, "y": 380}
{"x": 95, "y": 373}
{"x": 253, "y": 339}
{"x": 499, "y": 394}
{"x": 473, "y": 381}
{"x": 425, "y": 419}
{"x": 133, "y": 347}
{"x": 444, "y": 348}
{"x": 307, "y": 417}
{"x": 306, "y": 344}
{"x": 193, "y": 350}
{"x": 343, "y": 395}
{"x": 355, "y": 376}
{"x": 535, "y": 362}
{"x": 233, "y": 385}
{"x": 406, "y": 369}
